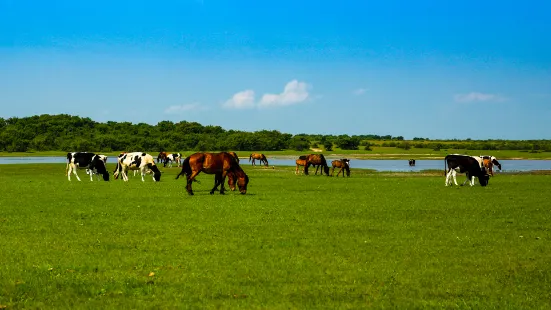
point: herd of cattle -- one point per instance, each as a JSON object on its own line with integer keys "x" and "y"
{"x": 480, "y": 167}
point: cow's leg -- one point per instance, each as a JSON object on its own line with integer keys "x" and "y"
{"x": 448, "y": 176}
{"x": 69, "y": 172}
{"x": 91, "y": 175}
{"x": 142, "y": 172}
{"x": 454, "y": 176}
{"x": 472, "y": 180}
{"x": 75, "y": 172}
{"x": 124, "y": 174}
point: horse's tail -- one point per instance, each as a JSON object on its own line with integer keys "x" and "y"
{"x": 186, "y": 168}
{"x": 250, "y": 157}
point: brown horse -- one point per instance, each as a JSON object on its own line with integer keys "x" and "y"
{"x": 343, "y": 164}
{"x": 220, "y": 164}
{"x": 161, "y": 158}
{"x": 315, "y": 160}
{"x": 260, "y": 157}
{"x": 234, "y": 155}
{"x": 300, "y": 163}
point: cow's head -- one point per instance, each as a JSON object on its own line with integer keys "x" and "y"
{"x": 483, "y": 177}
{"x": 496, "y": 163}
{"x": 99, "y": 165}
{"x": 156, "y": 172}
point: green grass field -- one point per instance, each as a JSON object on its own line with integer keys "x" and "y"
{"x": 379, "y": 240}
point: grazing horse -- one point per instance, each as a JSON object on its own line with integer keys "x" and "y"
{"x": 315, "y": 160}
{"x": 136, "y": 161}
{"x": 300, "y": 163}
{"x": 220, "y": 164}
{"x": 234, "y": 155}
{"x": 343, "y": 164}
{"x": 411, "y": 162}
{"x": 489, "y": 163}
{"x": 161, "y": 157}
{"x": 260, "y": 157}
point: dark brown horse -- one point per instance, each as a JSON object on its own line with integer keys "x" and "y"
{"x": 220, "y": 164}
{"x": 161, "y": 158}
{"x": 317, "y": 160}
{"x": 343, "y": 164}
{"x": 261, "y": 157}
{"x": 234, "y": 155}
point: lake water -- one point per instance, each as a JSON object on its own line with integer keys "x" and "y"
{"x": 379, "y": 165}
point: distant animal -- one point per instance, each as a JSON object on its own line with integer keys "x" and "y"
{"x": 411, "y": 162}
{"x": 489, "y": 163}
{"x": 173, "y": 157}
{"x": 234, "y": 155}
{"x": 343, "y": 165}
{"x": 261, "y": 157}
{"x": 136, "y": 161}
{"x": 220, "y": 164}
{"x": 300, "y": 163}
{"x": 84, "y": 160}
{"x": 316, "y": 160}
{"x": 161, "y": 157}
{"x": 470, "y": 165}
{"x": 90, "y": 172}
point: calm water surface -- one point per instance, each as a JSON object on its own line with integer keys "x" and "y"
{"x": 379, "y": 165}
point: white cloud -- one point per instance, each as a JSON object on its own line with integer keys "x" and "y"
{"x": 241, "y": 100}
{"x": 178, "y": 109}
{"x": 293, "y": 93}
{"x": 478, "y": 97}
{"x": 360, "y": 91}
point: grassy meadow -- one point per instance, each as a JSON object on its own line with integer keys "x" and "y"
{"x": 374, "y": 240}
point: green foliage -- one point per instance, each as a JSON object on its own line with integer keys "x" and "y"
{"x": 346, "y": 142}
{"x": 374, "y": 240}
{"x": 299, "y": 143}
{"x": 328, "y": 145}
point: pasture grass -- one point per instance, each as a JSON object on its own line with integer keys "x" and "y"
{"x": 374, "y": 240}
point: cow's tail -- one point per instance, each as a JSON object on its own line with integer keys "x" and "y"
{"x": 445, "y": 165}
{"x": 68, "y": 163}
{"x": 186, "y": 168}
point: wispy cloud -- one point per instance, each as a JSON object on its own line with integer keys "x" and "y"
{"x": 294, "y": 92}
{"x": 241, "y": 100}
{"x": 359, "y": 91}
{"x": 478, "y": 97}
{"x": 178, "y": 109}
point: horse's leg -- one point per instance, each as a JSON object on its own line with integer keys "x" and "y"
{"x": 217, "y": 178}
{"x": 317, "y": 167}
{"x": 222, "y": 180}
{"x": 333, "y": 171}
{"x": 190, "y": 180}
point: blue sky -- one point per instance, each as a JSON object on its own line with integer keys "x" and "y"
{"x": 436, "y": 69}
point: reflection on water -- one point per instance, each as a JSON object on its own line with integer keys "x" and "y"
{"x": 379, "y": 165}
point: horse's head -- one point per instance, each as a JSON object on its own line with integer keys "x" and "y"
{"x": 231, "y": 181}
{"x": 326, "y": 169}
{"x": 242, "y": 181}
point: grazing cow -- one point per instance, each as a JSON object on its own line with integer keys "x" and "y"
{"x": 300, "y": 163}
{"x": 411, "y": 162}
{"x": 84, "y": 160}
{"x": 489, "y": 163}
{"x": 90, "y": 172}
{"x": 136, "y": 161}
{"x": 471, "y": 165}
{"x": 343, "y": 164}
{"x": 174, "y": 157}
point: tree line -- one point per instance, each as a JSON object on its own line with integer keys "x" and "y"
{"x": 73, "y": 133}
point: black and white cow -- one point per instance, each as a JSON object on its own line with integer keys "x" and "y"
{"x": 170, "y": 158}
{"x": 90, "y": 172}
{"x": 84, "y": 160}
{"x": 471, "y": 165}
{"x": 136, "y": 161}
